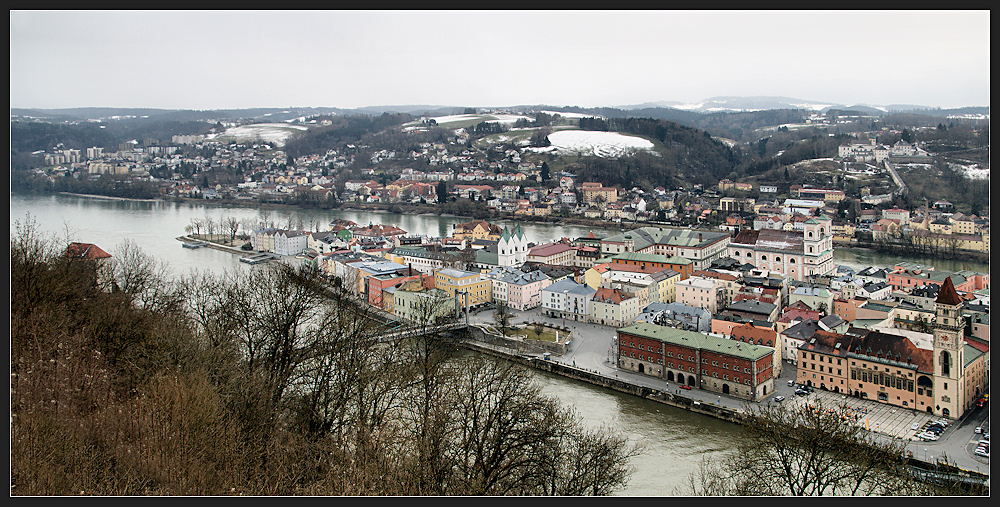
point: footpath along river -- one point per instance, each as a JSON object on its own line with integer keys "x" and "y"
{"x": 674, "y": 440}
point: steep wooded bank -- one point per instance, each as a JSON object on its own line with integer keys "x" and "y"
{"x": 260, "y": 383}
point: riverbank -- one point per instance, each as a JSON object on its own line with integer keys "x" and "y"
{"x": 433, "y": 210}
{"x": 615, "y": 383}
{"x": 945, "y": 467}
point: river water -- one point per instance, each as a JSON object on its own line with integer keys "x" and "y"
{"x": 674, "y": 441}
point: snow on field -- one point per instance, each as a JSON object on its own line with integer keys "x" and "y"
{"x": 975, "y": 172}
{"x": 600, "y": 144}
{"x": 267, "y": 132}
{"x": 457, "y": 118}
{"x": 571, "y": 115}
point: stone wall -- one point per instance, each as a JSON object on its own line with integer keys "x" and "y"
{"x": 667, "y": 398}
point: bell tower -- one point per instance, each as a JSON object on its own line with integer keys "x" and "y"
{"x": 949, "y": 360}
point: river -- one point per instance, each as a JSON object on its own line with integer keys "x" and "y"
{"x": 675, "y": 441}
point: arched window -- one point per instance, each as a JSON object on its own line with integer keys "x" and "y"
{"x": 945, "y": 363}
{"x": 810, "y": 234}
{"x": 763, "y": 257}
{"x": 792, "y": 260}
{"x": 777, "y": 259}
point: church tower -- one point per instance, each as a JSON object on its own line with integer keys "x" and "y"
{"x": 949, "y": 359}
{"x": 512, "y": 248}
{"x": 817, "y": 246}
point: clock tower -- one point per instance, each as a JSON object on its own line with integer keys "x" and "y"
{"x": 949, "y": 360}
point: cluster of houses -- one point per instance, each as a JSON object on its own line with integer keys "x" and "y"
{"x": 513, "y": 186}
{"x": 700, "y": 308}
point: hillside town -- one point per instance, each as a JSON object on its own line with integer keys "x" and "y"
{"x": 503, "y": 179}
{"x": 715, "y": 287}
{"x": 699, "y": 308}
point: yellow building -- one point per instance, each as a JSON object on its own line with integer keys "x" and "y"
{"x": 477, "y": 229}
{"x": 598, "y": 193}
{"x": 474, "y": 287}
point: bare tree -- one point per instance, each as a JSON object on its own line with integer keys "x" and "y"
{"x": 502, "y": 316}
{"x": 210, "y": 226}
{"x": 197, "y": 224}
{"x": 232, "y": 225}
{"x": 807, "y": 451}
{"x": 145, "y": 279}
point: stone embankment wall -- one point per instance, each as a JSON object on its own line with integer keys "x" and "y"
{"x": 481, "y": 343}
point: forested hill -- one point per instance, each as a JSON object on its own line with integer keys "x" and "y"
{"x": 682, "y": 154}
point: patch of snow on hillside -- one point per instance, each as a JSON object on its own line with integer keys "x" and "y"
{"x": 689, "y": 107}
{"x": 814, "y": 107}
{"x": 571, "y": 115}
{"x": 501, "y": 118}
{"x": 267, "y": 132}
{"x": 601, "y": 144}
{"x": 975, "y": 172}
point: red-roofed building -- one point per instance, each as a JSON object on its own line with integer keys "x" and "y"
{"x": 758, "y": 335}
{"x": 614, "y": 307}
{"x": 796, "y": 312}
{"x": 86, "y": 251}
{"x": 556, "y": 254}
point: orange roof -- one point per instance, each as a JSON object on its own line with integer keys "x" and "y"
{"x": 85, "y": 251}
{"x": 751, "y": 332}
{"x": 606, "y": 295}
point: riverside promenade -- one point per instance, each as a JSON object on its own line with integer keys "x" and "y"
{"x": 590, "y": 357}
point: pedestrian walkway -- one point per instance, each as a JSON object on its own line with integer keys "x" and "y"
{"x": 889, "y": 420}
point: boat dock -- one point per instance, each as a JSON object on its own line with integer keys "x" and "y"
{"x": 194, "y": 244}
{"x": 257, "y": 258}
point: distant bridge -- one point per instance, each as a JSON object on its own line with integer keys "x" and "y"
{"x": 409, "y": 330}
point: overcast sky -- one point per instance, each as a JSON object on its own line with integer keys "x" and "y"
{"x": 588, "y": 58}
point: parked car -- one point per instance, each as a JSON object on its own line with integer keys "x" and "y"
{"x": 935, "y": 430}
{"x": 915, "y": 426}
{"x": 983, "y": 450}
{"x": 791, "y": 383}
{"x": 927, "y": 436}
{"x": 685, "y": 386}
{"x": 801, "y": 392}
{"x": 779, "y": 399}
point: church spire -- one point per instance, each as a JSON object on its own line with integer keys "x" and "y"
{"x": 947, "y": 295}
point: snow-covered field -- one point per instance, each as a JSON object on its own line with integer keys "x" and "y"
{"x": 976, "y": 172}
{"x": 600, "y": 144}
{"x": 571, "y": 115}
{"x": 459, "y": 118}
{"x": 266, "y": 132}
